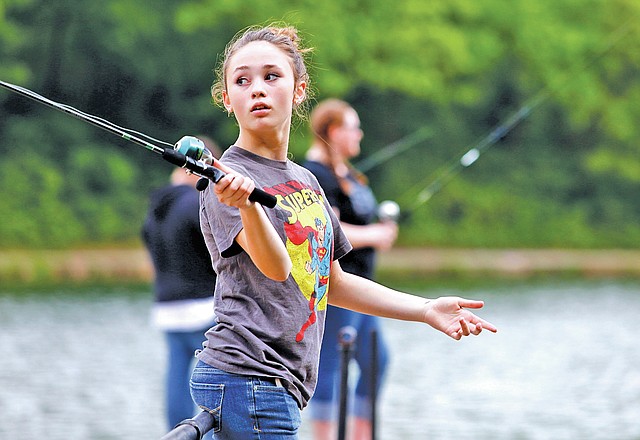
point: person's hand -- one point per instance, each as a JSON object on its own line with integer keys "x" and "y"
{"x": 384, "y": 234}
{"x": 234, "y": 190}
{"x": 449, "y": 314}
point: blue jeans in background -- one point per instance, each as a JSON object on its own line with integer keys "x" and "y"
{"x": 245, "y": 407}
{"x": 324, "y": 403}
{"x": 180, "y": 360}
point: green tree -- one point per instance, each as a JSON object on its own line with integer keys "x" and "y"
{"x": 567, "y": 175}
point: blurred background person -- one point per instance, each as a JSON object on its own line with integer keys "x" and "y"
{"x": 335, "y": 127}
{"x": 184, "y": 282}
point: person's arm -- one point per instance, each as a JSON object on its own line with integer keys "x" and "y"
{"x": 380, "y": 236}
{"x": 446, "y": 314}
{"x": 258, "y": 237}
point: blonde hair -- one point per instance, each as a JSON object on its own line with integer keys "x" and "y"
{"x": 285, "y": 38}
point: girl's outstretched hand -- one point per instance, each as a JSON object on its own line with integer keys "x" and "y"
{"x": 449, "y": 314}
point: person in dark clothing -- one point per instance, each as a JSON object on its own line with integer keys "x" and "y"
{"x": 183, "y": 286}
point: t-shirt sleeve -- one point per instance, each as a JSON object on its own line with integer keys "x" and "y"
{"x": 224, "y": 223}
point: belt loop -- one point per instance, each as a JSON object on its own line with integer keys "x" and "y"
{"x": 278, "y": 382}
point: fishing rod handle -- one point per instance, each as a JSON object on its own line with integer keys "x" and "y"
{"x": 213, "y": 174}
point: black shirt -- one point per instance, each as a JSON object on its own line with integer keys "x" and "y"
{"x": 175, "y": 243}
{"x": 357, "y": 208}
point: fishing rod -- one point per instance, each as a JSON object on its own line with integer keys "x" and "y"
{"x": 390, "y": 210}
{"x": 393, "y": 149}
{"x": 472, "y": 154}
{"x": 189, "y": 152}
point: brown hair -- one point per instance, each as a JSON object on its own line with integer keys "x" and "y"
{"x": 331, "y": 113}
{"x": 286, "y": 38}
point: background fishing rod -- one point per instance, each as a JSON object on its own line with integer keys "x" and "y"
{"x": 389, "y": 210}
{"x": 393, "y": 149}
{"x": 453, "y": 168}
{"x": 449, "y": 171}
{"x": 189, "y": 152}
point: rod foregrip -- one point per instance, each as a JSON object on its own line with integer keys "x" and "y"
{"x": 262, "y": 197}
{"x": 213, "y": 174}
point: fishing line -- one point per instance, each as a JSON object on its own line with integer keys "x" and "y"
{"x": 189, "y": 152}
{"x": 100, "y": 122}
{"x": 118, "y": 127}
{"x": 453, "y": 168}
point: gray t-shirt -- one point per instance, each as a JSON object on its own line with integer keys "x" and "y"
{"x": 268, "y": 328}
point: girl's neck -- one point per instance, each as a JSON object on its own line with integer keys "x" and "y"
{"x": 272, "y": 147}
{"x": 319, "y": 152}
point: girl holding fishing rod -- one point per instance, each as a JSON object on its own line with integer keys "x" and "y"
{"x": 278, "y": 268}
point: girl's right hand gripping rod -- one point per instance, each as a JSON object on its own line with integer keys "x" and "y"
{"x": 191, "y": 153}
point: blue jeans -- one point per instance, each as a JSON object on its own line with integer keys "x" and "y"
{"x": 324, "y": 403}
{"x": 181, "y": 357}
{"x": 245, "y": 407}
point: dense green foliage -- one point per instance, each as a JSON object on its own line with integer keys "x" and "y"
{"x": 567, "y": 175}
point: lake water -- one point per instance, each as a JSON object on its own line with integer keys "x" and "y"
{"x": 564, "y": 365}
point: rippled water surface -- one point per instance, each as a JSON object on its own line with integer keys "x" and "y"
{"x": 565, "y": 365}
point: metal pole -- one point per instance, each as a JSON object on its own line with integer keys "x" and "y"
{"x": 346, "y": 341}
{"x": 191, "y": 429}
{"x": 374, "y": 381}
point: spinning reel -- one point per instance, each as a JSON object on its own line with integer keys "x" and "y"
{"x": 194, "y": 148}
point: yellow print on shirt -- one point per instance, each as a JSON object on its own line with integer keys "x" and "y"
{"x": 309, "y": 244}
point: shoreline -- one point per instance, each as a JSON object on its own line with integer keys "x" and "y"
{"x": 514, "y": 262}
{"x": 134, "y": 265}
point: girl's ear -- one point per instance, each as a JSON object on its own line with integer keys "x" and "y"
{"x": 226, "y": 102}
{"x": 300, "y": 93}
